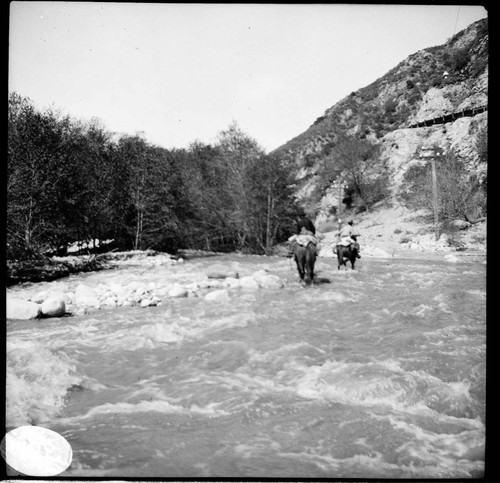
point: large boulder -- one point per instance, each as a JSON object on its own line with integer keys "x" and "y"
{"x": 86, "y": 296}
{"x": 177, "y": 291}
{"x": 267, "y": 280}
{"x": 22, "y": 309}
{"x": 271, "y": 281}
{"x": 54, "y": 306}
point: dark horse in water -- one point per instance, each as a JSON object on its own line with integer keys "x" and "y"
{"x": 305, "y": 258}
{"x": 350, "y": 252}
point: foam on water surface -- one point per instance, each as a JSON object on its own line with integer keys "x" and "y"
{"x": 36, "y": 383}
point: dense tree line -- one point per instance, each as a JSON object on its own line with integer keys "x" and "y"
{"x": 71, "y": 181}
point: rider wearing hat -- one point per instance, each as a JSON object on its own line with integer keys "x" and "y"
{"x": 348, "y": 235}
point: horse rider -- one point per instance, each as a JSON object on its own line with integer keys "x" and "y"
{"x": 347, "y": 235}
{"x": 304, "y": 226}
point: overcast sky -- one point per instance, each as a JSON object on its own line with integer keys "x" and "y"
{"x": 183, "y": 72}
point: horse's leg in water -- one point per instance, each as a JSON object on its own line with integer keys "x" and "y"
{"x": 340, "y": 257}
{"x": 299, "y": 260}
{"x": 310, "y": 261}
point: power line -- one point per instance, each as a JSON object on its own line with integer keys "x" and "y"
{"x": 456, "y": 21}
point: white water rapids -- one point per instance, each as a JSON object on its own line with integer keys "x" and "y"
{"x": 378, "y": 374}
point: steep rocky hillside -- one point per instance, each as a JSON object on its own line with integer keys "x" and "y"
{"x": 432, "y": 83}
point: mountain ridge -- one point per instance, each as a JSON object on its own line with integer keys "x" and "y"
{"x": 391, "y": 113}
{"x": 409, "y": 82}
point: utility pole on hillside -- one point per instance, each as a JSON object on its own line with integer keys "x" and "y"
{"x": 341, "y": 186}
{"x": 430, "y": 153}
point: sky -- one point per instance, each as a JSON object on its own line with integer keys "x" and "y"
{"x": 179, "y": 73}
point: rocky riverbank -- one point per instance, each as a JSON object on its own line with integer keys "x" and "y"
{"x": 155, "y": 284}
{"x": 47, "y": 269}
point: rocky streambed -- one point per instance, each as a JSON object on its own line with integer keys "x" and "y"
{"x": 133, "y": 279}
{"x": 149, "y": 278}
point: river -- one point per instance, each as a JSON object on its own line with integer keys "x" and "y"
{"x": 378, "y": 372}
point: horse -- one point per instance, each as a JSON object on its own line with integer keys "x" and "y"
{"x": 305, "y": 258}
{"x": 345, "y": 253}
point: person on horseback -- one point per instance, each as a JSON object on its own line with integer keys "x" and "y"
{"x": 304, "y": 226}
{"x": 346, "y": 236}
{"x": 304, "y": 223}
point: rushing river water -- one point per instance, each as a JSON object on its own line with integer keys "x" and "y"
{"x": 378, "y": 374}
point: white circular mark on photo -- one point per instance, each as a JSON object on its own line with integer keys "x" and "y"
{"x": 36, "y": 451}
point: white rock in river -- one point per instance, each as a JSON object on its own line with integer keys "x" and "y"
{"x": 249, "y": 282}
{"x": 271, "y": 281}
{"x": 218, "y": 296}
{"x": 451, "y": 258}
{"x": 110, "y": 302}
{"x": 267, "y": 280}
{"x": 260, "y": 274}
{"x": 190, "y": 287}
{"x": 177, "y": 291}
{"x": 22, "y": 309}
{"x": 54, "y": 306}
